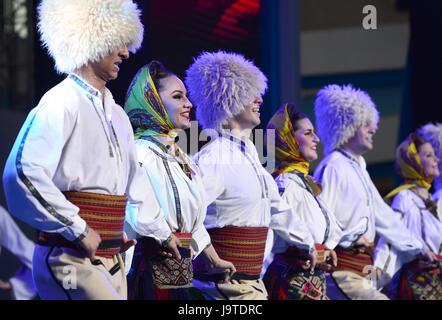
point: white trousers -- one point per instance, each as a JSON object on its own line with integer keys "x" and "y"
{"x": 13, "y": 239}
{"x": 356, "y": 287}
{"x": 234, "y": 289}
{"x": 64, "y": 274}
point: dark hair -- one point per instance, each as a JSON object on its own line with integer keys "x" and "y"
{"x": 295, "y": 115}
{"x": 158, "y": 72}
{"x": 417, "y": 140}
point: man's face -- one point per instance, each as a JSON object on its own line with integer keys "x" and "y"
{"x": 107, "y": 68}
{"x": 363, "y": 139}
{"x": 250, "y": 117}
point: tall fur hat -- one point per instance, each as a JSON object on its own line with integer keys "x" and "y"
{"x": 77, "y": 32}
{"x": 340, "y": 112}
{"x": 220, "y": 84}
{"x": 433, "y": 134}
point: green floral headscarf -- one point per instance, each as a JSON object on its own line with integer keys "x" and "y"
{"x": 145, "y": 109}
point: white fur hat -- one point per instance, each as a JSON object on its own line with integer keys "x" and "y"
{"x": 340, "y": 112}
{"x": 220, "y": 84}
{"x": 77, "y": 32}
{"x": 432, "y": 133}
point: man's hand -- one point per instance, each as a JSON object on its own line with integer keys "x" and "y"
{"x": 90, "y": 243}
{"x": 222, "y": 266}
{"x": 126, "y": 243}
{"x": 216, "y": 264}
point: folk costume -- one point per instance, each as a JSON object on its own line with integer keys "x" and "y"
{"x": 349, "y": 191}
{"x": 288, "y": 276}
{"x": 179, "y": 189}
{"x": 242, "y": 196}
{"x": 422, "y": 217}
{"x": 74, "y": 166}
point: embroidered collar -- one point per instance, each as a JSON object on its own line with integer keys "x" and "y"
{"x": 429, "y": 204}
{"x": 348, "y": 155}
{"x": 84, "y": 85}
{"x": 236, "y": 140}
{"x": 157, "y": 143}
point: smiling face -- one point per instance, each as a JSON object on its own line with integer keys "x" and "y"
{"x": 108, "y": 67}
{"x": 173, "y": 94}
{"x": 249, "y": 118}
{"x": 307, "y": 139}
{"x": 429, "y": 160}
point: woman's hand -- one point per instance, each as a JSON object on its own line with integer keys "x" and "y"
{"x": 172, "y": 243}
{"x": 311, "y": 262}
{"x": 331, "y": 259}
{"x": 428, "y": 257}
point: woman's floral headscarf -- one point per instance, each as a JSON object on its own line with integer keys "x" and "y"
{"x": 145, "y": 109}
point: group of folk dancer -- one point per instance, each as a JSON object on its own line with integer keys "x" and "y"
{"x": 116, "y": 200}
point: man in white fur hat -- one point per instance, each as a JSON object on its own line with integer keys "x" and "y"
{"x": 433, "y": 134}
{"x": 243, "y": 198}
{"x": 73, "y": 168}
{"x": 347, "y": 119}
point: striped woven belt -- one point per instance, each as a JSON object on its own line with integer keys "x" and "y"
{"x": 353, "y": 260}
{"x": 103, "y": 213}
{"x": 243, "y": 246}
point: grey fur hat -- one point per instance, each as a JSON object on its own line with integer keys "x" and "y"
{"x": 220, "y": 84}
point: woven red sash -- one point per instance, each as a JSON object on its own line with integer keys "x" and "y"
{"x": 320, "y": 249}
{"x": 103, "y": 213}
{"x": 353, "y": 260}
{"x": 243, "y": 246}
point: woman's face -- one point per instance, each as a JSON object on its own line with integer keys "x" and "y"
{"x": 307, "y": 139}
{"x": 174, "y": 96}
{"x": 429, "y": 160}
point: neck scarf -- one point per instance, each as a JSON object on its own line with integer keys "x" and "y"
{"x": 408, "y": 165}
{"x": 287, "y": 152}
{"x": 145, "y": 109}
